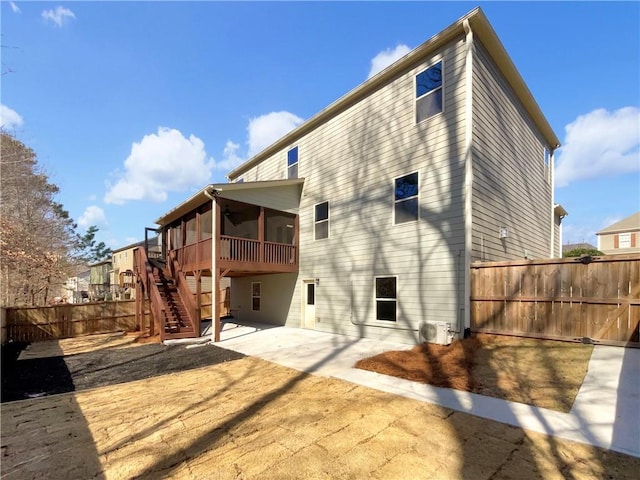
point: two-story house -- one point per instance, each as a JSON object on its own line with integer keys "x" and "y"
{"x": 622, "y": 237}
{"x": 364, "y": 220}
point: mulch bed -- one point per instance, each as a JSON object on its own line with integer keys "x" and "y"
{"x": 544, "y": 373}
{"x": 447, "y": 366}
{"x": 38, "y": 377}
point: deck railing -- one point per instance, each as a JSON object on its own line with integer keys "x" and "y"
{"x": 197, "y": 256}
{"x": 144, "y": 272}
{"x": 279, "y": 253}
{"x": 239, "y": 249}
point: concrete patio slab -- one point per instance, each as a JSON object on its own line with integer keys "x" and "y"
{"x": 606, "y": 412}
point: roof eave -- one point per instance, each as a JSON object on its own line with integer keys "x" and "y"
{"x": 201, "y": 197}
{"x": 482, "y": 30}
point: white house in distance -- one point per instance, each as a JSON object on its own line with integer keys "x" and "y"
{"x": 365, "y": 219}
{"x": 622, "y": 237}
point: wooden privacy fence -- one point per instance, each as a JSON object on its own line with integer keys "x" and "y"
{"x": 595, "y": 298}
{"x": 31, "y": 324}
{"x": 206, "y": 308}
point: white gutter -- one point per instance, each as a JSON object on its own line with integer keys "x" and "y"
{"x": 468, "y": 174}
{"x": 553, "y": 206}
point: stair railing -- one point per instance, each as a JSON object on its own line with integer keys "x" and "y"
{"x": 144, "y": 272}
{"x": 184, "y": 291}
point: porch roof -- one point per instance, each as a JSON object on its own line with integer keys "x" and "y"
{"x": 220, "y": 189}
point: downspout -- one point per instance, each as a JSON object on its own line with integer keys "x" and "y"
{"x": 553, "y": 254}
{"x": 465, "y": 320}
{"x": 212, "y": 193}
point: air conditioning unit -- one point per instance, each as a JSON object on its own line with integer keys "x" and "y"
{"x": 435, "y": 332}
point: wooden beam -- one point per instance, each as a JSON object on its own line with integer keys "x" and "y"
{"x": 261, "y": 226}
{"x": 216, "y": 272}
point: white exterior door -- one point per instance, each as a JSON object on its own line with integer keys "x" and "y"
{"x": 309, "y": 304}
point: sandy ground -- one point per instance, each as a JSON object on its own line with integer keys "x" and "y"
{"x": 248, "y": 418}
{"x": 543, "y": 373}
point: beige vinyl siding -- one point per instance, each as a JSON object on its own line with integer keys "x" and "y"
{"x": 284, "y": 198}
{"x": 511, "y": 187}
{"x": 276, "y": 295}
{"x": 606, "y": 243}
{"x": 557, "y": 226}
{"x": 351, "y": 161}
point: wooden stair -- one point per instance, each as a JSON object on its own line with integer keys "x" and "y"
{"x": 177, "y": 323}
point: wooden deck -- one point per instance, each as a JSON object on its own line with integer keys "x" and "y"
{"x": 239, "y": 255}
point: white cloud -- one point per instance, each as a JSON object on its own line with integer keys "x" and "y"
{"x": 92, "y": 215}
{"x": 586, "y": 230}
{"x": 15, "y": 7}
{"x": 9, "y": 118}
{"x": 572, "y": 233}
{"x": 266, "y": 129}
{"x": 600, "y": 143}
{"x": 161, "y": 163}
{"x": 231, "y": 158}
{"x": 386, "y": 57}
{"x": 58, "y": 16}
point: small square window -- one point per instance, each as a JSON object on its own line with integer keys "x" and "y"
{"x": 386, "y": 298}
{"x": 321, "y": 221}
{"x": 429, "y": 99}
{"x": 406, "y": 206}
{"x": 292, "y": 163}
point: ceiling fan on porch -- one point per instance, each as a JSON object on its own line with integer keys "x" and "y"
{"x": 230, "y": 215}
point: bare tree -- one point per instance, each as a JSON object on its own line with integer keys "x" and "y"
{"x": 37, "y": 236}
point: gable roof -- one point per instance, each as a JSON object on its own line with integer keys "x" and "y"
{"x": 632, "y": 222}
{"x": 482, "y": 30}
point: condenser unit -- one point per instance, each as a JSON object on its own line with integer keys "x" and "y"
{"x": 435, "y": 332}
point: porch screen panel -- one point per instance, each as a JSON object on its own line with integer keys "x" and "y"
{"x": 279, "y": 227}
{"x": 206, "y": 225}
{"x": 191, "y": 231}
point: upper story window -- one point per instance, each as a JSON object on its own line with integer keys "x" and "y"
{"x": 405, "y": 208}
{"x": 429, "y": 92}
{"x": 321, "y": 220}
{"x": 292, "y": 163}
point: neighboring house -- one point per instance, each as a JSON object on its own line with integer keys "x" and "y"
{"x": 567, "y": 247}
{"x": 365, "y": 219}
{"x": 122, "y": 274}
{"x": 621, "y": 237}
{"x": 99, "y": 281}
{"x": 77, "y": 288}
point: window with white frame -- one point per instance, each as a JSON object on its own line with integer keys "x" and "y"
{"x": 405, "y": 201}
{"x": 386, "y": 293}
{"x": 429, "y": 95}
{"x": 292, "y": 163}
{"x": 255, "y": 296}
{"x": 624, "y": 240}
{"x": 321, "y": 221}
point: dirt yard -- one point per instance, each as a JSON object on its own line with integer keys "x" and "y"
{"x": 251, "y": 419}
{"x": 544, "y": 373}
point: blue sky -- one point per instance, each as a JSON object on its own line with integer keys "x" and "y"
{"x": 133, "y": 106}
